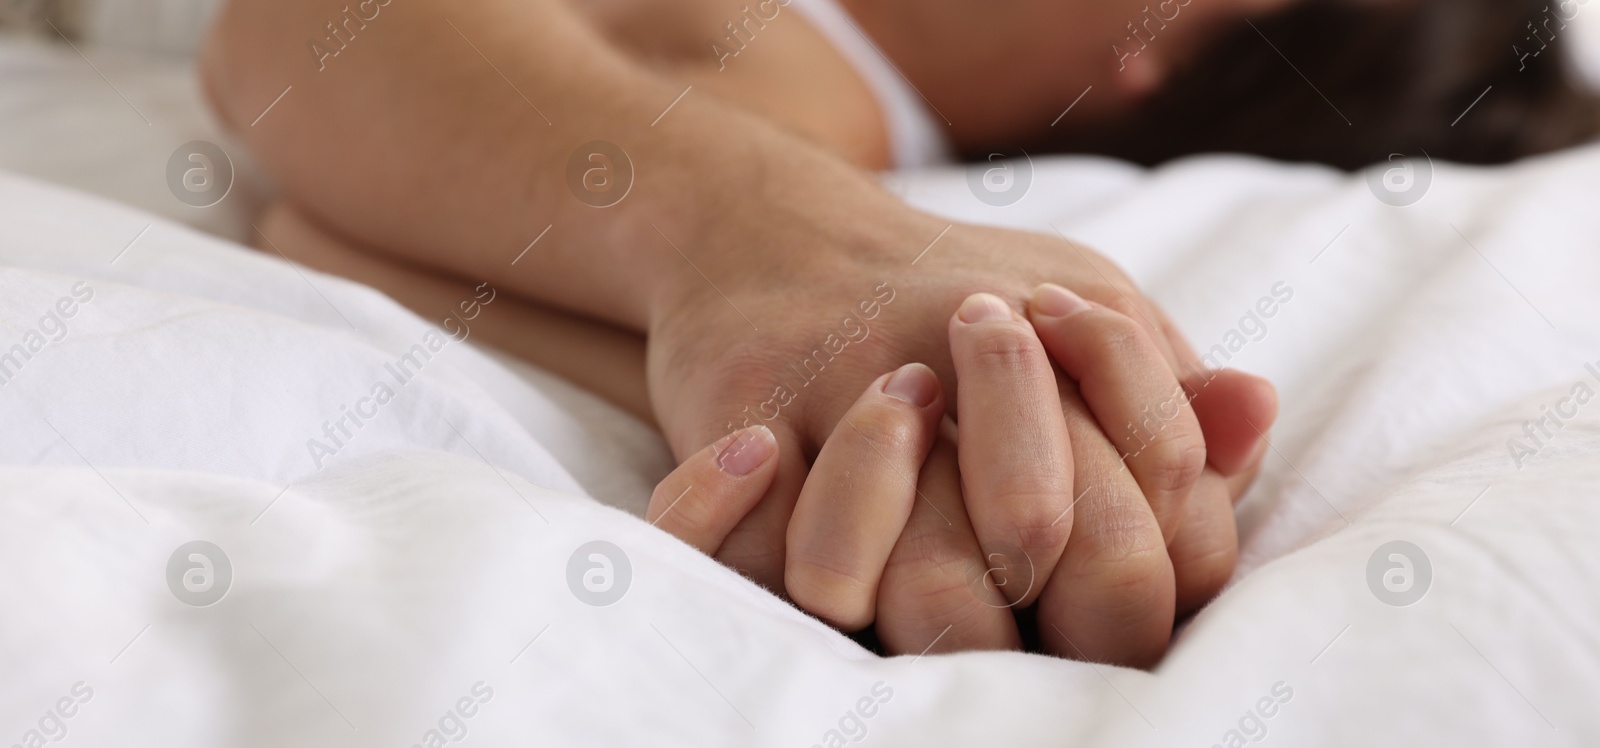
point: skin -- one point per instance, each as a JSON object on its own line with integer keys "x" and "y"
{"x": 910, "y": 563}
{"x": 749, "y": 210}
{"x": 858, "y": 500}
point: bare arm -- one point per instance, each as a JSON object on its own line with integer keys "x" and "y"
{"x": 774, "y": 281}
{"x": 443, "y": 133}
{"x": 599, "y": 357}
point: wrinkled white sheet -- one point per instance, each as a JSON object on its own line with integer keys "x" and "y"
{"x": 414, "y": 569}
{"x": 378, "y": 591}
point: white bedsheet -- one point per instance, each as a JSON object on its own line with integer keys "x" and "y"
{"x": 378, "y": 591}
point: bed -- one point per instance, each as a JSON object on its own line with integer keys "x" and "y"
{"x": 1418, "y": 567}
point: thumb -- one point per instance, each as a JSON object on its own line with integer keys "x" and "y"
{"x": 702, "y": 500}
{"x": 755, "y": 544}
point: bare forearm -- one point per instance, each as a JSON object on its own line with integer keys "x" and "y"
{"x": 444, "y": 133}
{"x": 598, "y": 357}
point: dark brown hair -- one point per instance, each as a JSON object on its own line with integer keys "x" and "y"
{"x": 1373, "y": 78}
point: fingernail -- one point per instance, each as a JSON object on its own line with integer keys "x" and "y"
{"x": 1052, "y": 300}
{"x": 983, "y": 307}
{"x": 741, "y": 452}
{"x": 913, "y": 383}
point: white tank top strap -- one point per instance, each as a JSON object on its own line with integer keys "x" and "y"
{"x": 916, "y": 135}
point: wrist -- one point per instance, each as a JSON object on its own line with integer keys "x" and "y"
{"x": 822, "y": 219}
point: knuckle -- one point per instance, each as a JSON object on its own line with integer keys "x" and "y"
{"x": 950, "y": 604}
{"x": 1043, "y": 530}
{"x": 1174, "y": 466}
{"x": 939, "y": 588}
{"x": 663, "y": 494}
{"x": 1009, "y": 349}
{"x": 1114, "y": 339}
{"x": 889, "y": 430}
{"x": 1127, "y": 601}
{"x": 1037, "y": 502}
{"x": 1203, "y": 557}
{"x": 927, "y": 555}
{"x": 1123, "y": 536}
{"x": 1201, "y": 575}
{"x": 831, "y": 591}
{"x": 920, "y": 610}
{"x": 932, "y": 587}
{"x": 1130, "y": 624}
{"x": 931, "y": 566}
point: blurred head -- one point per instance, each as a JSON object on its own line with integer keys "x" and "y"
{"x": 1389, "y": 77}
{"x": 1175, "y": 77}
{"x": 995, "y": 66}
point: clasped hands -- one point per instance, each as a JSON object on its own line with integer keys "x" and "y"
{"x": 1085, "y": 495}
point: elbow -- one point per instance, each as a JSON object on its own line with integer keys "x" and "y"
{"x": 235, "y": 64}
{"x": 217, "y": 64}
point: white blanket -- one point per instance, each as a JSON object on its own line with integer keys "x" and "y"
{"x": 419, "y": 579}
